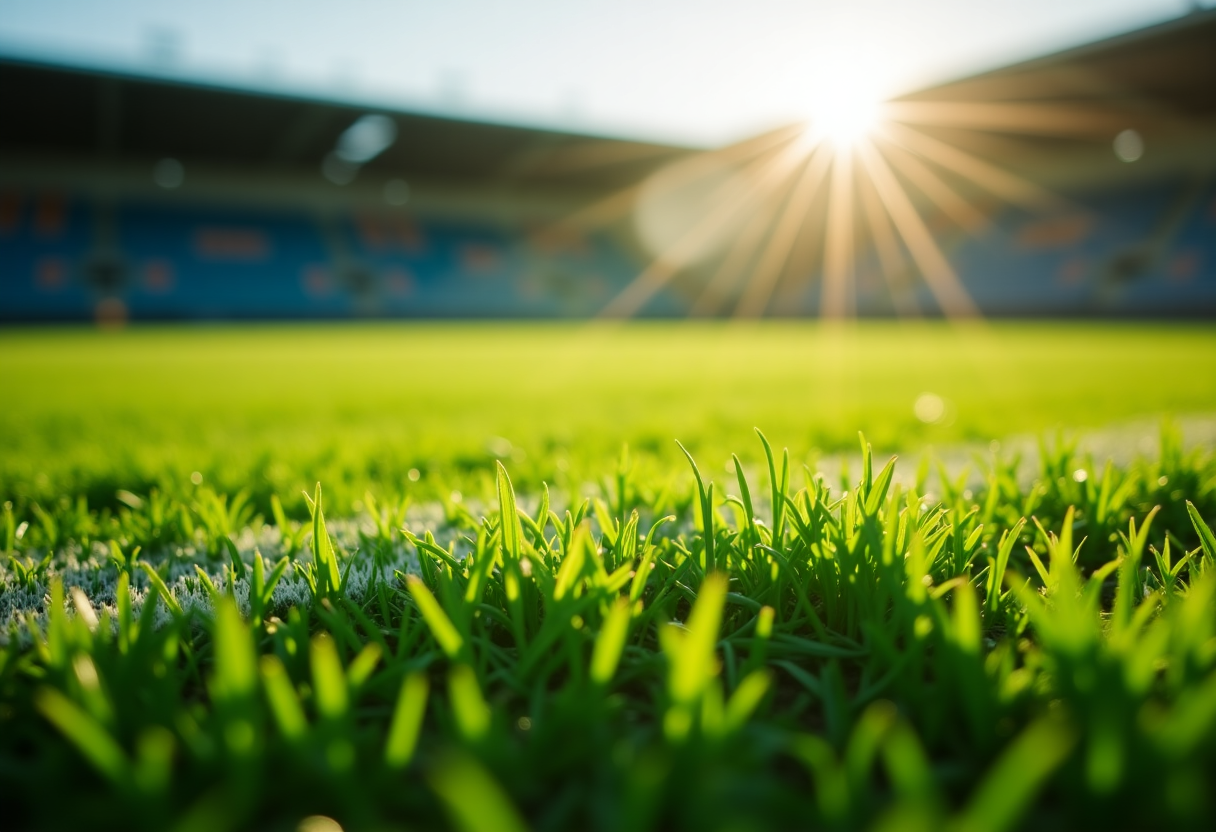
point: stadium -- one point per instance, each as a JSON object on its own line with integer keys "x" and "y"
{"x": 647, "y": 420}
{"x": 131, "y": 197}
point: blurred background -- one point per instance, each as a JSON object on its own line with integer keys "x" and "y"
{"x": 228, "y": 161}
{"x": 250, "y": 246}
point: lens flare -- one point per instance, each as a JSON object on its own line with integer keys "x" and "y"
{"x": 744, "y": 221}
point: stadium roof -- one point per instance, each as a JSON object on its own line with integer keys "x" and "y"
{"x": 1158, "y": 80}
{"x": 1172, "y": 63}
{"x": 49, "y": 110}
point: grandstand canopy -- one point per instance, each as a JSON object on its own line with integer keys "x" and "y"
{"x": 49, "y": 111}
{"x": 1157, "y": 80}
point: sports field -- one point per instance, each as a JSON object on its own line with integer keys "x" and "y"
{"x": 275, "y": 409}
{"x": 191, "y": 643}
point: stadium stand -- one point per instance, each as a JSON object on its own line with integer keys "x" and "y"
{"x": 131, "y": 198}
{"x": 152, "y": 261}
{"x": 44, "y": 241}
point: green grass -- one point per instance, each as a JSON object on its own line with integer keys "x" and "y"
{"x": 275, "y": 409}
{"x": 685, "y": 648}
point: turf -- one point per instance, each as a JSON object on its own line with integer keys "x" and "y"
{"x": 682, "y": 648}
{"x": 275, "y": 409}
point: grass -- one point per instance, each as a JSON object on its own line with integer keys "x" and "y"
{"x": 681, "y": 648}
{"x": 275, "y": 409}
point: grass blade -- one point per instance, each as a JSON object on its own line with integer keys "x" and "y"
{"x": 1007, "y": 789}
{"x": 468, "y": 705}
{"x": 512, "y": 532}
{"x": 328, "y": 680}
{"x": 406, "y": 726}
{"x": 472, "y": 799}
{"x": 87, "y": 734}
{"x": 610, "y": 642}
{"x": 282, "y": 698}
{"x": 445, "y": 633}
{"x": 1207, "y": 540}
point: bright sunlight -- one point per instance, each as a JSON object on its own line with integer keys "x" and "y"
{"x": 845, "y": 115}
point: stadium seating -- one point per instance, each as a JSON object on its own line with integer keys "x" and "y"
{"x": 44, "y": 247}
{"x": 1146, "y": 251}
{"x": 208, "y": 263}
{"x": 170, "y": 262}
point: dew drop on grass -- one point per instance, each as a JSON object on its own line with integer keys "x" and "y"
{"x": 524, "y": 723}
{"x": 1080, "y": 475}
{"x": 196, "y": 478}
{"x": 414, "y": 475}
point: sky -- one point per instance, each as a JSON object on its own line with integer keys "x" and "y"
{"x": 698, "y": 72}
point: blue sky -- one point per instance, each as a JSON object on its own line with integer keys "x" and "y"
{"x": 694, "y": 71}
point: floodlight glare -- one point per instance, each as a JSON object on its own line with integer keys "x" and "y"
{"x": 366, "y": 139}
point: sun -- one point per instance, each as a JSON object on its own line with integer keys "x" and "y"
{"x": 845, "y": 120}
{"x": 844, "y": 115}
{"x": 857, "y": 166}
{"x": 844, "y": 101}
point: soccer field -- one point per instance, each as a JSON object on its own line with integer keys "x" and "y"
{"x": 700, "y": 643}
{"x": 274, "y": 409}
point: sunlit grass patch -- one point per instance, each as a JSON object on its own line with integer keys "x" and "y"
{"x": 699, "y": 650}
{"x": 424, "y": 410}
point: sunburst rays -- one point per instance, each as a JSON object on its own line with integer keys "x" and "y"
{"x": 805, "y": 189}
{"x": 730, "y": 198}
{"x": 945, "y": 285}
